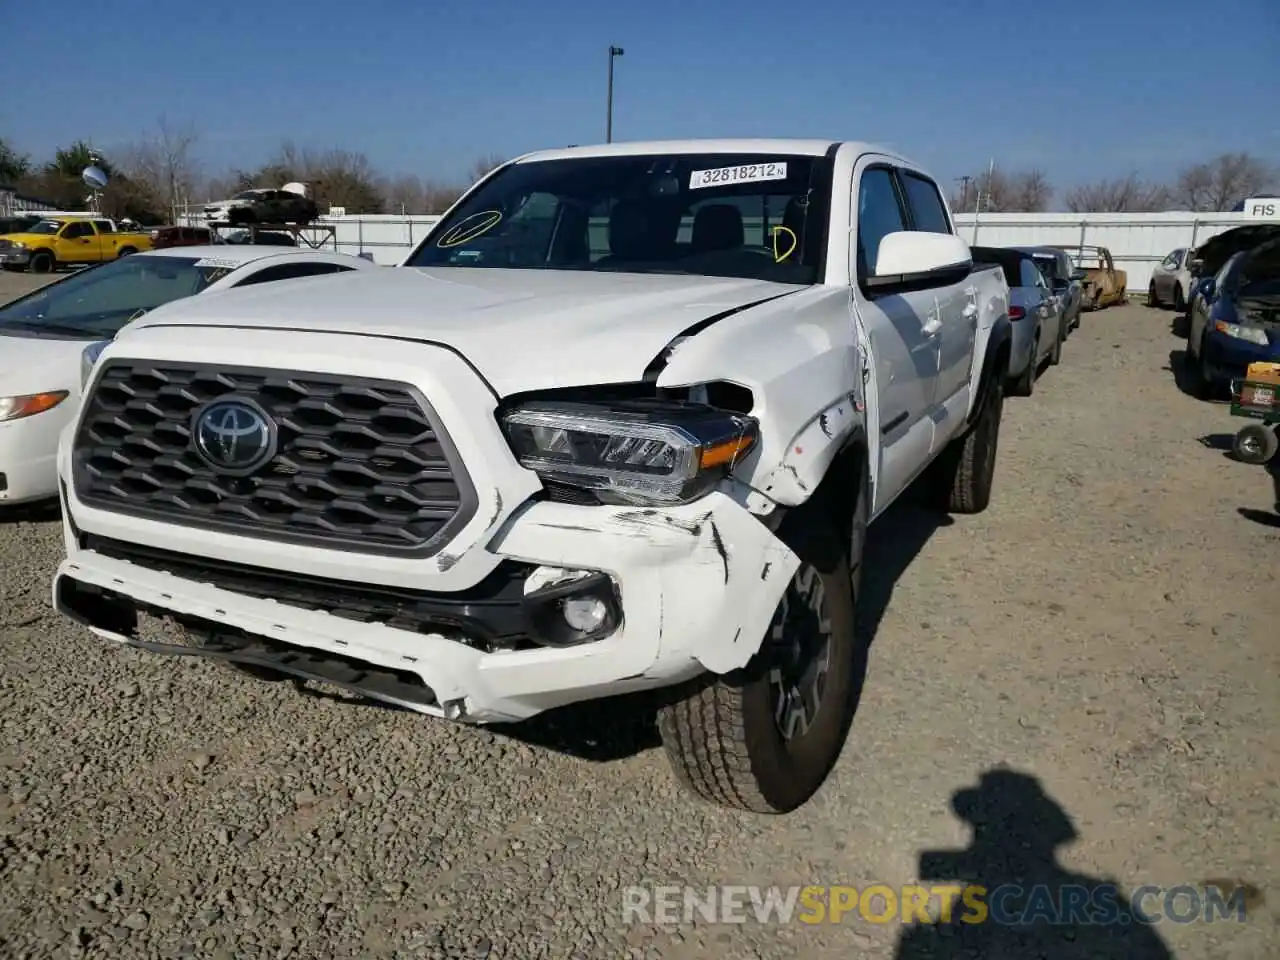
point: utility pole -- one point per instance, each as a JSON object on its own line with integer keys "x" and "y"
{"x": 964, "y": 190}
{"x": 608, "y": 121}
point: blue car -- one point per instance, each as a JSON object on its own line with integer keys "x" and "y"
{"x": 1235, "y": 315}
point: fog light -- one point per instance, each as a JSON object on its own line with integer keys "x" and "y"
{"x": 568, "y": 607}
{"x": 586, "y": 615}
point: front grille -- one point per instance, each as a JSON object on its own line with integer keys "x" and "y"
{"x": 359, "y": 464}
{"x": 5, "y": 244}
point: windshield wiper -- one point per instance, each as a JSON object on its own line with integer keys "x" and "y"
{"x": 38, "y": 327}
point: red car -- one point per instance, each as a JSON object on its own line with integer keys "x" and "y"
{"x": 162, "y": 237}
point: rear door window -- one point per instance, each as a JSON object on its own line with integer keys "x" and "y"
{"x": 928, "y": 213}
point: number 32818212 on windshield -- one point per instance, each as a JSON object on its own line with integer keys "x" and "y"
{"x": 748, "y": 173}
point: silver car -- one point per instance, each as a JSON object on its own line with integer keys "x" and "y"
{"x": 1171, "y": 281}
{"x": 1035, "y": 313}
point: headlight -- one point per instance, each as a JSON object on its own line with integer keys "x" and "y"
{"x": 1247, "y": 334}
{"x": 17, "y": 245}
{"x": 88, "y": 357}
{"x": 648, "y": 452}
{"x": 28, "y": 405}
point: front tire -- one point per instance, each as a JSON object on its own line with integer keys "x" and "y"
{"x": 1055, "y": 356}
{"x": 1152, "y": 299}
{"x": 1025, "y": 385}
{"x": 42, "y": 262}
{"x": 765, "y": 738}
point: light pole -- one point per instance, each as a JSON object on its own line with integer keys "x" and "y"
{"x": 608, "y": 121}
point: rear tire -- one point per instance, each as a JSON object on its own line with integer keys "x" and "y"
{"x": 125, "y": 251}
{"x": 962, "y": 477}
{"x": 1256, "y": 443}
{"x": 765, "y": 738}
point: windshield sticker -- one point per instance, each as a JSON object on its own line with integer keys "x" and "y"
{"x": 468, "y": 228}
{"x": 788, "y": 236}
{"x": 218, "y": 262}
{"x": 749, "y": 173}
{"x": 216, "y": 274}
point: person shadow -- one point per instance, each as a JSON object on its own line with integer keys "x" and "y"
{"x": 1044, "y": 911}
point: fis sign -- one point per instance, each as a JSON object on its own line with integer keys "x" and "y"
{"x": 1262, "y": 207}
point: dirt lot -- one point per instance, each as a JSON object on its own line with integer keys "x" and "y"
{"x": 1106, "y": 632}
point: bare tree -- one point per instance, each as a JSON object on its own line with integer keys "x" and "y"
{"x": 1130, "y": 194}
{"x": 483, "y": 166}
{"x": 998, "y": 191}
{"x": 1223, "y": 182}
{"x": 163, "y": 166}
{"x": 337, "y": 178}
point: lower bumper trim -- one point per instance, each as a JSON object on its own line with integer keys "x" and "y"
{"x": 88, "y": 604}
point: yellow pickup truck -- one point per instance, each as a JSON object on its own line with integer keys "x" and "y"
{"x": 61, "y": 241}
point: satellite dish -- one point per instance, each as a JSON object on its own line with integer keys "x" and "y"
{"x": 94, "y": 177}
{"x": 299, "y": 188}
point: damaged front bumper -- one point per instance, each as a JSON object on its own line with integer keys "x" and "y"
{"x": 695, "y": 588}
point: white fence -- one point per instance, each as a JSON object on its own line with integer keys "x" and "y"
{"x": 1137, "y": 241}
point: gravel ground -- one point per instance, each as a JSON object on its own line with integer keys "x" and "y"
{"x": 1107, "y": 631}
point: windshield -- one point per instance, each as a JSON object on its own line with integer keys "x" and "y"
{"x": 754, "y": 216}
{"x": 246, "y": 195}
{"x": 46, "y": 227}
{"x": 99, "y": 301}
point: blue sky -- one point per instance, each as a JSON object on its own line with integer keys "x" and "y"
{"x": 426, "y": 87}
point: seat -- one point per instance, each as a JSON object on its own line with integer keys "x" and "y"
{"x": 630, "y": 233}
{"x": 716, "y": 227}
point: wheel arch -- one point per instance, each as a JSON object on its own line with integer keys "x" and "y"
{"x": 995, "y": 364}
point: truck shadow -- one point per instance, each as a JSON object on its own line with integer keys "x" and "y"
{"x": 604, "y": 731}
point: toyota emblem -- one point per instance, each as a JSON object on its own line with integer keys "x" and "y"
{"x": 234, "y": 436}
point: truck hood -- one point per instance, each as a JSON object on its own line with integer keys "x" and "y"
{"x": 522, "y": 329}
{"x": 27, "y": 238}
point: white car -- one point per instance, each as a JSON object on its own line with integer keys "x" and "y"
{"x": 43, "y": 337}
{"x": 619, "y": 422}
{"x": 1171, "y": 281}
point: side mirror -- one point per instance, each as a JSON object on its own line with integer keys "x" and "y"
{"x": 366, "y": 255}
{"x": 1078, "y": 274}
{"x": 913, "y": 260}
{"x": 1196, "y": 266}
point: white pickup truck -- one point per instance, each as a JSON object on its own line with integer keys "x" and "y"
{"x": 619, "y": 422}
